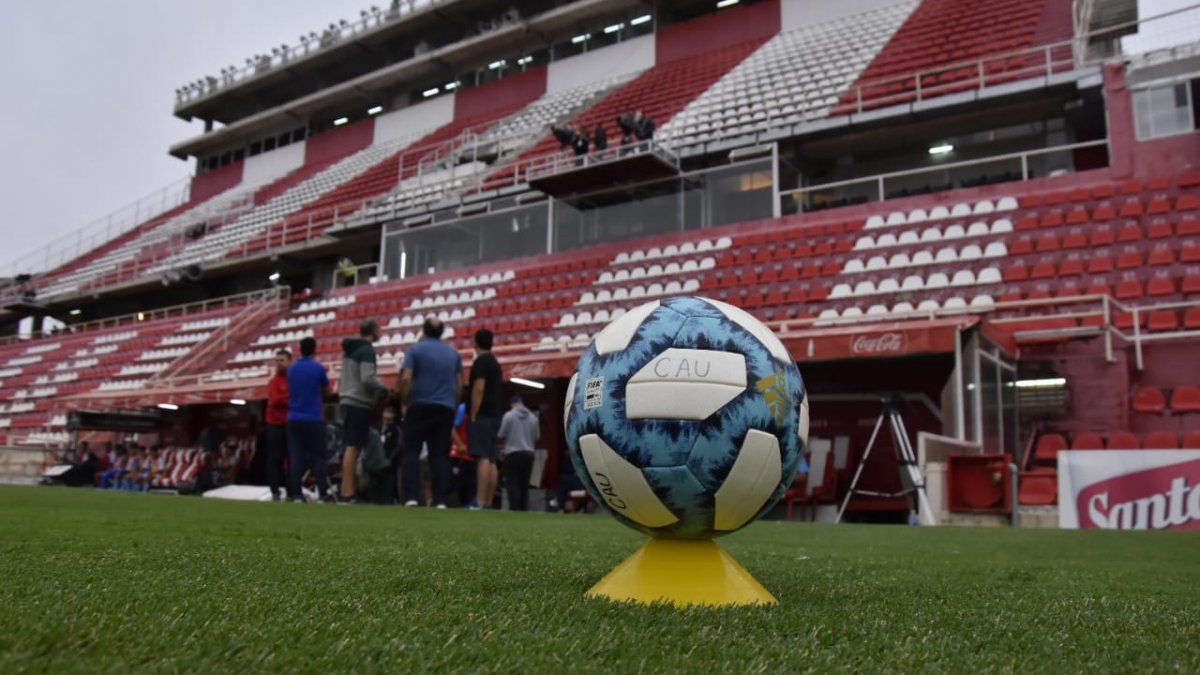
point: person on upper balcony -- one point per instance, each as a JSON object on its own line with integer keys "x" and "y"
{"x": 600, "y": 137}
{"x": 643, "y": 126}
{"x": 628, "y": 126}
{"x": 565, "y": 134}
{"x": 580, "y": 144}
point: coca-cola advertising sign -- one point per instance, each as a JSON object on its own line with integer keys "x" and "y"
{"x": 1130, "y": 490}
{"x": 876, "y": 345}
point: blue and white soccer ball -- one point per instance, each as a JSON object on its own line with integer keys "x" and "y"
{"x": 687, "y": 418}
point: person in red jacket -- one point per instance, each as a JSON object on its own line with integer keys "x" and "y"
{"x": 276, "y": 419}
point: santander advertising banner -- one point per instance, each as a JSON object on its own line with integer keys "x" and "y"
{"x": 1129, "y": 490}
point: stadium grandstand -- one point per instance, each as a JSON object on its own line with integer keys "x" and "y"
{"x": 985, "y": 215}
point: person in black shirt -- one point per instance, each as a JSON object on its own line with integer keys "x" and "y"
{"x": 485, "y": 407}
{"x": 580, "y": 144}
{"x": 628, "y": 127}
{"x": 600, "y": 137}
{"x": 565, "y": 134}
{"x": 645, "y": 126}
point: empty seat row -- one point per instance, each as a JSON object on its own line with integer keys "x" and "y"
{"x": 411, "y": 320}
{"x": 670, "y": 269}
{"x": 473, "y": 280}
{"x": 934, "y": 234}
{"x": 332, "y": 302}
{"x": 672, "y": 250}
{"x": 1049, "y": 445}
{"x": 978, "y": 302}
{"x": 477, "y": 295}
{"x": 306, "y": 319}
{"x": 637, "y": 292}
{"x": 915, "y": 282}
{"x": 960, "y": 210}
{"x": 944, "y": 255}
{"x": 1183, "y": 399}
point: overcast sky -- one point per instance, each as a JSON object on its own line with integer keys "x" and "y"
{"x": 88, "y": 92}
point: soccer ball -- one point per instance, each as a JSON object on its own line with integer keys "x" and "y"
{"x": 686, "y": 418}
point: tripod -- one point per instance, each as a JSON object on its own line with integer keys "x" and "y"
{"x": 912, "y": 481}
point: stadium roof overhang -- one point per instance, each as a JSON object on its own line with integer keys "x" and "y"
{"x": 437, "y": 65}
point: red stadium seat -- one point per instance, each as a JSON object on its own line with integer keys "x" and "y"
{"x": 1071, "y": 267}
{"x": 1149, "y": 400}
{"x": 1161, "y": 255}
{"x": 1042, "y": 270}
{"x": 1021, "y": 245}
{"x": 1123, "y": 440}
{"x": 1129, "y": 258}
{"x": 1160, "y": 229}
{"x": 1100, "y": 263}
{"x": 1016, "y": 272}
{"x": 1086, "y": 440}
{"x": 1048, "y": 447}
{"x": 1051, "y": 218}
{"x": 1077, "y": 215}
{"x": 1038, "y": 488}
{"x": 1163, "y": 321}
{"x": 1189, "y": 224}
{"x": 1191, "y": 440}
{"x": 1161, "y": 440}
{"x": 1131, "y": 207}
{"x": 1185, "y": 399}
{"x": 1160, "y": 285}
{"x": 1128, "y": 288}
{"x": 1158, "y": 204}
{"x": 1103, "y": 236}
{"x": 1104, "y": 211}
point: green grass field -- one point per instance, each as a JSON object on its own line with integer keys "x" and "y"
{"x": 98, "y": 582}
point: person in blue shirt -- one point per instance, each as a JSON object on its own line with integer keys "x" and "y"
{"x": 307, "y": 385}
{"x": 430, "y": 385}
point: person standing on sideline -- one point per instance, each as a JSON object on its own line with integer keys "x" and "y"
{"x": 486, "y": 406}
{"x": 276, "y": 424}
{"x": 520, "y": 431}
{"x": 429, "y": 386}
{"x": 360, "y": 390}
{"x": 307, "y": 385}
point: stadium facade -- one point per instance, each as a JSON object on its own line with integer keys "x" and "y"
{"x": 989, "y": 210}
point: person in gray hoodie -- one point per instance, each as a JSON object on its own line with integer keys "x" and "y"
{"x": 360, "y": 390}
{"x": 520, "y": 431}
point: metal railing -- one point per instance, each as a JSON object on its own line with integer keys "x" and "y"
{"x": 270, "y": 301}
{"x": 312, "y": 43}
{"x": 135, "y": 318}
{"x": 565, "y": 160}
{"x": 878, "y": 183}
{"x": 355, "y": 275}
{"x": 101, "y": 231}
